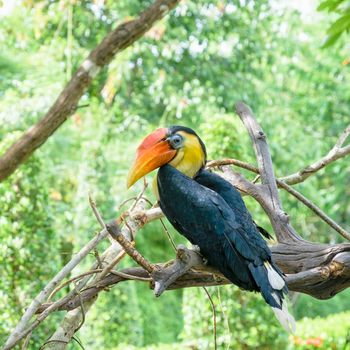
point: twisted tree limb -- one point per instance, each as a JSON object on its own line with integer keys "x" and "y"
{"x": 300, "y": 260}
{"x": 266, "y": 193}
{"x": 66, "y": 104}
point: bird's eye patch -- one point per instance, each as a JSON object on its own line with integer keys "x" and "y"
{"x": 176, "y": 141}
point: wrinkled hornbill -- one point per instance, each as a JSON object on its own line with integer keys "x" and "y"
{"x": 211, "y": 214}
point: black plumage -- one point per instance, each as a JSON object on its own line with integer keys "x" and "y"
{"x": 211, "y": 214}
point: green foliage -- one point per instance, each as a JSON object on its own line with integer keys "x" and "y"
{"x": 332, "y": 332}
{"x": 321, "y": 308}
{"x": 28, "y": 245}
{"x": 233, "y": 138}
{"x": 341, "y": 24}
{"x": 238, "y": 327}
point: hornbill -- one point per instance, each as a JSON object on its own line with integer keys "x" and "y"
{"x": 211, "y": 214}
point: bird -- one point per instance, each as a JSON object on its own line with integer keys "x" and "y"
{"x": 210, "y": 212}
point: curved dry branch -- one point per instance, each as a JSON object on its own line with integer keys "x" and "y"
{"x": 66, "y": 104}
{"x": 267, "y": 193}
{"x": 337, "y": 152}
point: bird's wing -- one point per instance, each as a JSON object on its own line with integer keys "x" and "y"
{"x": 234, "y": 200}
{"x": 205, "y": 218}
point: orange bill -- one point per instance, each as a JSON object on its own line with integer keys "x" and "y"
{"x": 153, "y": 152}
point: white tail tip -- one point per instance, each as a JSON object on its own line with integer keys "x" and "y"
{"x": 285, "y": 318}
{"x": 275, "y": 279}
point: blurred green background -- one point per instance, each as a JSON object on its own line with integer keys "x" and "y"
{"x": 189, "y": 69}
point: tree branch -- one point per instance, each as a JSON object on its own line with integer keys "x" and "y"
{"x": 44, "y": 294}
{"x": 267, "y": 193}
{"x": 317, "y": 269}
{"x": 335, "y": 153}
{"x": 66, "y": 104}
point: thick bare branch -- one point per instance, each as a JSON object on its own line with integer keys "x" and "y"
{"x": 65, "y": 105}
{"x": 319, "y": 270}
{"x": 267, "y": 193}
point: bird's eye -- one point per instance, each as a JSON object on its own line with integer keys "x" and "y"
{"x": 176, "y": 141}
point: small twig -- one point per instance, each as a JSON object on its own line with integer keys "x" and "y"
{"x": 126, "y": 201}
{"x": 114, "y": 230}
{"x": 145, "y": 184}
{"x": 256, "y": 179}
{"x": 52, "y": 341}
{"x": 111, "y": 265}
{"x": 26, "y": 341}
{"x": 225, "y": 317}
{"x": 315, "y": 209}
{"x": 78, "y": 341}
{"x": 97, "y": 257}
{"x": 342, "y": 138}
{"x": 131, "y": 277}
{"x": 168, "y": 234}
{"x": 96, "y": 212}
{"x": 135, "y": 199}
{"x": 82, "y": 312}
{"x": 122, "y": 220}
{"x": 73, "y": 279}
{"x": 214, "y": 316}
{"x": 82, "y": 106}
{"x": 231, "y": 161}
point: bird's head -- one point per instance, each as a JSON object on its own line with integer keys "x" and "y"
{"x": 178, "y": 146}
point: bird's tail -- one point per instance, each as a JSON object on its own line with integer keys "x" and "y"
{"x": 274, "y": 290}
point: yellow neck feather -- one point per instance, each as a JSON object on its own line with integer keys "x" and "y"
{"x": 189, "y": 159}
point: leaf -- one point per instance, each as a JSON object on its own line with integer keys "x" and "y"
{"x": 330, "y": 40}
{"x": 329, "y": 5}
{"x": 340, "y": 25}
